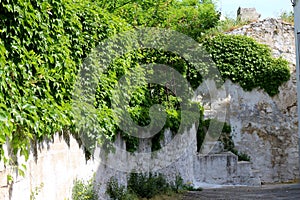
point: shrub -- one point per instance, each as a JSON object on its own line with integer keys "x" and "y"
{"x": 84, "y": 190}
{"x": 178, "y": 185}
{"x": 147, "y": 185}
{"x": 118, "y": 192}
{"x": 193, "y": 17}
{"x": 241, "y": 156}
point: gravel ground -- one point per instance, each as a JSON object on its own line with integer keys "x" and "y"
{"x": 264, "y": 192}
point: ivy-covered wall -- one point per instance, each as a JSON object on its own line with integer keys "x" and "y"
{"x": 264, "y": 127}
{"x": 43, "y": 44}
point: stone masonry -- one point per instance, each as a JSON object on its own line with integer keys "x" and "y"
{"x": 264, "y": 127}
{"x": 50, "y": 175}
{"x": 247, "y": 14}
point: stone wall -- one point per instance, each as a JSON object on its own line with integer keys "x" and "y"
{"x": 177, "y": 157}
{"x": 223, "y": 169}
{"x": 278, "y": 35}
{"x": 247, "y": 14}
{"x": 264, "y": 127}
{"x": 58, "y": 164}
{"x": 51, "y": 174}
{"x": 174, "y": 158}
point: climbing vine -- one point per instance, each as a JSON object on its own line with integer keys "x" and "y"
{"x": 248, "y": 63}
{"x": 42, "y": 44}
{"x": 147, "y": 94}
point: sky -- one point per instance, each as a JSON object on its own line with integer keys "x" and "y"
{"x": 267, "y": 8}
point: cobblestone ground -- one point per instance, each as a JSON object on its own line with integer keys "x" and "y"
{"x": 237, "y": 193}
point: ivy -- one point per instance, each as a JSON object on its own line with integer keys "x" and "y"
{"x": 145, "y": 95}
{"x": 248, "y": 63}
{"x": 42, "y": 44}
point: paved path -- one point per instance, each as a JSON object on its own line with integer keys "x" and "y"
{"x": 236, "y": 193}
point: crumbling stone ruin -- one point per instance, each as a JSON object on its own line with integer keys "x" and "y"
{"x": 247, "y": 14}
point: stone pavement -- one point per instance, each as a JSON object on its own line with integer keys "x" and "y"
{"x": 287, "y": 191}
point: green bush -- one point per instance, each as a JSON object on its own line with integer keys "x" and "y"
{"x": 84, "y": 190}
{"x": 190, "y": 17}
{"x": 193, "y": 17}
{"x": 241, "y": 156}
{"x": 248, "y": 63}
{"x": 147, "y": 185}
{"x": 178, "y": 185}
{"x": 118, "y": 192}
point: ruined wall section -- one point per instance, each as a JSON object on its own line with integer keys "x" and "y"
{"x": 247, "y": 14}
{"x": 264, "y": 127}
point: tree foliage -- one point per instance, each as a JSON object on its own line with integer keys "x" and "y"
{"x": 191, "y": 17}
